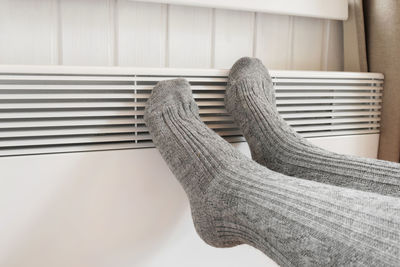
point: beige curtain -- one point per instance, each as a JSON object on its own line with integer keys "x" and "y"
{"x": 381, "y": 19}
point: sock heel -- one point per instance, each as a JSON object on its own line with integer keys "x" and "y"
{"x": 209, "y": 222}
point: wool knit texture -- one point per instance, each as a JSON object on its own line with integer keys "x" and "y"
{"x": 250, "y": 98}
{"x": 234, "y": 200}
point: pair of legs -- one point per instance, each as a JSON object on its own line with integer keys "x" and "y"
{"x": 295, "y": 221}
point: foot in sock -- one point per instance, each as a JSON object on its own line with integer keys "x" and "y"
{"x": 250, "y": 98}
{"x": 236, "y": 201}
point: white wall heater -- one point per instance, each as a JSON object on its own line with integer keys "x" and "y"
{"x": 112, "y": 204}
{"x": 74, "y": 109}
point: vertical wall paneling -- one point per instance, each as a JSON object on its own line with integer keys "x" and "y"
{"x": 326, "y": 34}
{"x": 272, "y": 40}
{"x": 141, "y": 34}
{"x": 189, "y": 37}
{"x": 255, "y": 34}
{"x": 332, "y": 46}
{"x": 86, "y": 37}
{"x": 166, "y": 44}
{"x": 290, "y": 34}
{"x": 307, "y": 43}
{"x": 113, "y": 32}
{"x": 57, "y": 39}
{"x": 335, "y": 53}
{"x": 213, "y": 14}
{"x": 27, "y": 32}
{"x": 234, "y": 36}
{"x": 128, "y": 33}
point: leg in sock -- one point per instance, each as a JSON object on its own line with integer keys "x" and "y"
{"x": 250, "y": 98}
{"x": 236, "y": 201}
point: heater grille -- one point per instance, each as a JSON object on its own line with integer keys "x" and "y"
{"x": 67, "y": 109}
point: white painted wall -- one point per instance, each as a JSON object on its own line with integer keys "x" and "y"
{"x": 126, "y": 33}
{"x": 124, "y": 208}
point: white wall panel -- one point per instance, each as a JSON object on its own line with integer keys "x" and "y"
{"x": 335, "y": 59}
{"x": 307, "y": 46}
{"x": 141, "y": 34}
{"x": 273, "y": 40}
{"x": 234, "y": 36}
{"x": 128, "y": 33}
{"x": 189, "y": 37}
{"x": 28, "y": 32}
{"x": 86, "y": 32}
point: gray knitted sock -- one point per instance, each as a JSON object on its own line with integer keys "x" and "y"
{"x": 235, "y": 201}
{"x": 250, "y": 98}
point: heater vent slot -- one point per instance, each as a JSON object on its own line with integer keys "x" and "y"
{"x": 66, "y": 109}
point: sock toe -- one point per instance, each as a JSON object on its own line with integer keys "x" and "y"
{"x": 248, "y": 76}
{"x": 169, "y": 93}
{"x": 248, "y": 67}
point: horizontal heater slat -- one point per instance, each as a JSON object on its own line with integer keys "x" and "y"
{"x": 117, "y": 114}
{"x": 329, "y": 107}
{"x": 41, "y": 132}
{"x": 68, "y": 114}
{"x": 132, "y": 96}
{"x": 326, "y": 81}
{"x": 132, "y": 86}
{"x": 65, "y": 123}
{"x": 54, "y": 110}
{"x": 311, "y": 121}
{"x": 315, "y": 115}
{"x": 329, "y": 87}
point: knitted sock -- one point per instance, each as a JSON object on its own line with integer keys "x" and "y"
{"x": 236, "y": 201}
{"x": 250, "y": 98}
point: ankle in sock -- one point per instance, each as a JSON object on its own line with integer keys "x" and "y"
{"x": 236, "y": 201}
{"x": 250, "y": 98}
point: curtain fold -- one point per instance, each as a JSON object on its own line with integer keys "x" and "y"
{"x": 382, "y": 37}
